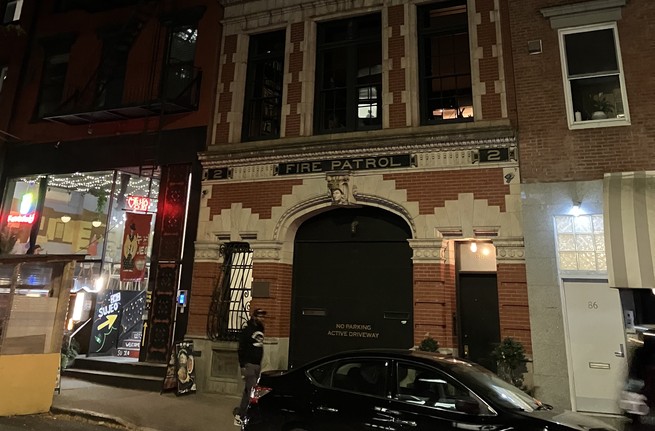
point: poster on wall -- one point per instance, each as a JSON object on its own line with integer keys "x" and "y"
{"x": 135, "y": 246}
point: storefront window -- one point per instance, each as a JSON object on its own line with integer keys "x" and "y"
{"x": 108, "y": 217}
{"x": 19, "y": 215}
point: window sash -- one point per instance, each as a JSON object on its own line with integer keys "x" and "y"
{"x": 596, "y": 98}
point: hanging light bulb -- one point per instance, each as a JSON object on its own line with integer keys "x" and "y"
{"x": 65, "y": 218}
{"x": 96, "y": 223}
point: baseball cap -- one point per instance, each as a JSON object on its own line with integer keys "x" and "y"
{"x": 259, "y": 312}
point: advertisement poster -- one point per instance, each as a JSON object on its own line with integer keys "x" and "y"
{"x": 135, "y": 246}
{"x": 117, "y": 324}
{"x": 181, "y": 373}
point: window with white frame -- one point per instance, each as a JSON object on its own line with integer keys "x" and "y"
{"x": 581, "y": 243}
{"x": 593, "y": 75}
{"x": 12, "y": 11}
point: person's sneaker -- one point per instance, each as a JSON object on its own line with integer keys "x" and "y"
{"x": 237, "y": 421}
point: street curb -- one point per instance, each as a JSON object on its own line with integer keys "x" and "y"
{"x": 98, "y": 417}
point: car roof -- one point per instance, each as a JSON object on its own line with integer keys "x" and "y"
{"x": 431, "y": 358}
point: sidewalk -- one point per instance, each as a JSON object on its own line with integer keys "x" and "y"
{"x": 146, "y": 411}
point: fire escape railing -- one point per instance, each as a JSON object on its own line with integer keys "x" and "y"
{"x": 230, "y": 305}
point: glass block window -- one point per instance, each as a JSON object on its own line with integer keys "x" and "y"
{"x": 580, "y": 243}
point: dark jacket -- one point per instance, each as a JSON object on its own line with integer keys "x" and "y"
{"x": 251, "y": 343}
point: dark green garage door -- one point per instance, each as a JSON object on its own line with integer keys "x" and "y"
{"x": 352, "y": 284}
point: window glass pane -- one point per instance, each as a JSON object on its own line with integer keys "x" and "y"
{"x": 180, "y": 70}
{"x": 19, "y": 211}
{"x": 263, "y": 102}
{"x": 446, "y": 89}
{"x": 365, "y": 377}
{"x": 582, "y": 224}
{"x": 566, "y": 242}
{"x": 591, "y": 52}
{"x": 597, "y": 222}
{"x": 428, "y": 387}
{"x": 13, "y": 10}
{"x": 564, "y": 224}
{"x": 52, "y": 83}
{"x": 580, "y": 243}
{"x": 598, "y": 98}
{"x": 349, "y": 76}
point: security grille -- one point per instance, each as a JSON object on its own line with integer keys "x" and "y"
{"x": 230, "y": 306}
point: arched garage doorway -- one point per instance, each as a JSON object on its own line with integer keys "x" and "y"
{"x": 352, "y": 284}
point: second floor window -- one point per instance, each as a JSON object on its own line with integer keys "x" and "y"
{"x": 593, "y": 76}
{"x": 263, "y": 103}
{"x": 349, "y": 75}
{"x": 12, "y": 11}
{"x": 53, "y": 80}
{"x": 180, "y": 70}
{"x": 444, "y": 63}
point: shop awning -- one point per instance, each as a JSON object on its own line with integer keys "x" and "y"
{"x": 629, "y": 215}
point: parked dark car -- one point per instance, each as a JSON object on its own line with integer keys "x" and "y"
{"x": 399, "y": 390}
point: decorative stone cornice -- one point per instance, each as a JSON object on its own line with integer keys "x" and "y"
{"x": 207, "y": 252}
{"x": 381, "y": 146}
{"x": 509, "y": 250}
{"x": 266, "y": 251}
{"x": 427, "y": 250}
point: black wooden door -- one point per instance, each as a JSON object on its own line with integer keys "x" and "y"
{"x": 352, "y": 284}
{"x": 479, "y": 319}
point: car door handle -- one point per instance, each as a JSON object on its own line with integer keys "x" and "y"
{"x": 393, "y": 414}
{"x": 327, "y": 409}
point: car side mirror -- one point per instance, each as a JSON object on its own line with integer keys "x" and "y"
{"x": 467, "y": 405}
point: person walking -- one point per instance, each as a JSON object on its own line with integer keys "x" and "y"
{"x": 251, "y": 351}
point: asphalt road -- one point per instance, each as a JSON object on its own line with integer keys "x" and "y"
{"x": 50, "y": 422}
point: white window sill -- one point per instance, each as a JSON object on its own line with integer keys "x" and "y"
{"x": 596, "y": 124}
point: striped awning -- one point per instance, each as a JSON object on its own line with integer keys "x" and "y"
{"x": 629, "y": 217}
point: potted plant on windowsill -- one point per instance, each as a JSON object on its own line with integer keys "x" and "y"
{"x": 601, "y": 107}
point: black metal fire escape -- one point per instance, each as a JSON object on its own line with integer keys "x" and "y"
{"x": 100, "y": 98}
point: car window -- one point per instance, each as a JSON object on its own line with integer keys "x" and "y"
{"x": 419, "y": 385}
{"x": 361, "y": 376}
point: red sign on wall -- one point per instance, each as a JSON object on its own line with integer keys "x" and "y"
{"x": 21, "y": 218}
{"x": 135, "y": 246}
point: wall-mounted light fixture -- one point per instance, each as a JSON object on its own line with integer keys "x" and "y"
{"x": 576, "y": 209}
{"x": 65, "y": 218}
{"x": 96, "y": 223}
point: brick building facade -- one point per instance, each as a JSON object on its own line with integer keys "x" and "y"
{"x": 458, "y": 182}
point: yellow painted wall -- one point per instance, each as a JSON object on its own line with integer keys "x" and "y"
{"x": 27, "y": 383}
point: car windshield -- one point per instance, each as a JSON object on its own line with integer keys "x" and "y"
{"x": 493, "y": 388}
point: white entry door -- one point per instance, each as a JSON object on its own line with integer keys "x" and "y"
{"x": 597, "y": 344}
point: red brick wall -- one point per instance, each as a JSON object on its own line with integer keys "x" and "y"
{"x": 294, "y": 89}
{"x": 260, "y": 197}
{"x": 432, "y": 189}
{"x": 397, "y": 108}
{"x": 513, "y": 304}
{"x": 278, "y": 304}
{"x": 434, "y": 303}
{"x": 549, "y": 150}
{"x": 205, "y": 278}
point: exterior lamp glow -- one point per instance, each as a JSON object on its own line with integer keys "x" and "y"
{"x": 96, "y": 223}
{"x": 474, "y": 247}
{"x": 576, "y": 209}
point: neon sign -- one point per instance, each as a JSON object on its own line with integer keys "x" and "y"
{"x": 138, "y": 203}
{"x": 21, "y": 218}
